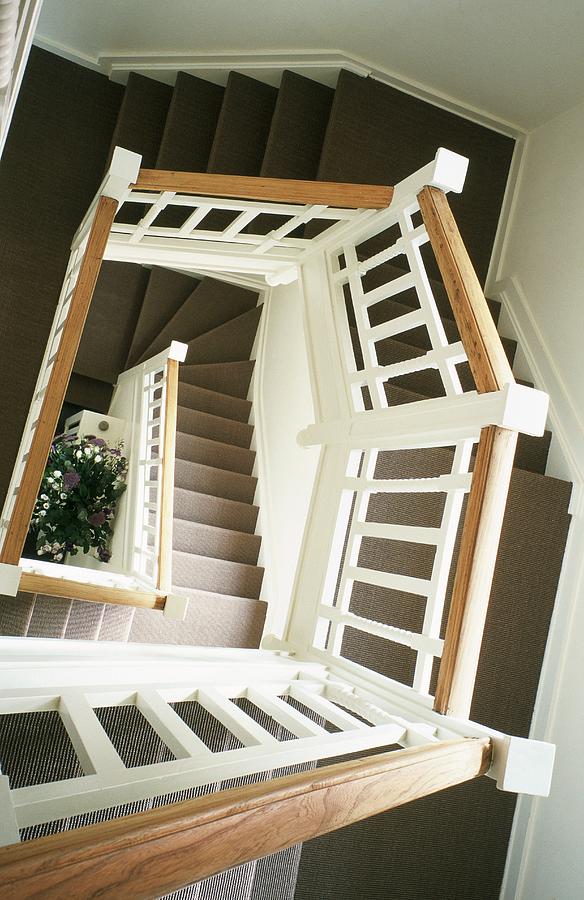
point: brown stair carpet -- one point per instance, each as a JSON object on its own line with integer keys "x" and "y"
{"x": 219, "y": 543}
{"x": 226, "y": 343}
{"x": 298, "y": 128}
{"x": 190, "y": 125}
{"x": 142, "y": 118}
{"x": 225, "y": 456}
{"x": 165, "y": 294}
{"x": 111, "y": 321}
{"x": 211, "y": 304}
{"x": 209, "y": 509}
{"x": 229, "y": 378}
{"x": 216, "y": 428}
{"x": 243, "y": 126}
{"x": 88, "y": 393}
{"x": 213, "y": 480}
{"x": 213, "y": 401}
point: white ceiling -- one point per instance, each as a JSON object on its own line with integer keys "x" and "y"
{"x": 521, "y": 61}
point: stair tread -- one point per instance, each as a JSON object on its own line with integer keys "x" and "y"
{"x": 219, "y": 428}
{"x": 190, "y": 124}
{"x": 209, "y": 509}
{"x": 165, "y": 294}
{"x": 142, "y": 117}
{"x": 231, "y": 341}
{"x": 297, "y": 129}
{"x": 205, "y": 400}
{"x": 216, "y": 542}
{"x": 212, "y": 620}
{"x": 118, "y": 298}
{"x": 234, "y": 485}
{"x": 233, "y": 378}
{"x": 207, "y": 451}
{"x": 225, "y": 576}
{"x": 211, "y": 305}
{"x": 243, "y": 126}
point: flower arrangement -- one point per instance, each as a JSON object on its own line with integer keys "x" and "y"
{"x": 83, "y": 481}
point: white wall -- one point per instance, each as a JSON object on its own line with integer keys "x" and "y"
{"x": 282, "y": 407}
{"x": 543, "y": 263}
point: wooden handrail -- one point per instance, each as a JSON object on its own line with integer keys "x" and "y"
{"x": 18, "y": 526}
{"x": 277, "y": 190}
{"x": 493, "y": 466}
{"x": 168, "y": 439}
{"x": 152, "y": 853}
{"x": 486, "y": 356}
{"x": 96, "y": 593}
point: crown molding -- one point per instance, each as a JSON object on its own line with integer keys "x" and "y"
{"x": 322, "y": 65}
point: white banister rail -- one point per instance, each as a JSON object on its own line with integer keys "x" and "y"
{"x": 18, "y": 21}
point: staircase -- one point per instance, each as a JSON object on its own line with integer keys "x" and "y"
{"x": 365, "y": 132}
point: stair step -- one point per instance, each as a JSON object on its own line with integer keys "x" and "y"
{"x": 214, "y": 453}
{"x": 231, "y": 342}
{"x": 243, "y": 126}
{"x": 389, "y": 309}
{"x": 212, "y": 620}
{"x": 229, "y": 378}
{"x": 378, "y": 135}
{"x": 209, "y": 509}
{"x": 218, "y": 575}
{"x": 298, "y": 128}
{"x": 210, "y": 305}
{"x": 116, "y": 623}
{"x": 211, "y": 480}
{"x": 84, "y": 621}
{"x": 118, "y": 298}
{"x": 225, "y": 405}
{"x": 142, "y": 117}
{"x": 49, "y": 617}
{"x": 165, "y": 294}
{"x": 89, "y": 393}
{"x": 190, "y": 124}
{"x": 218, "y": 543}
{"x": 216, "y": 428}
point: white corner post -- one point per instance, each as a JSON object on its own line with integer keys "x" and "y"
{"x": 9, "y": 579}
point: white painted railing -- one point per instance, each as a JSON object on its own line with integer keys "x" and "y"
{"x": 18, "y": 21}
{"x": 140, "y": 398}
{"x": 295, "y": 712}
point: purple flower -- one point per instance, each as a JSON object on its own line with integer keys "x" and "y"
{"x": 70, "y": 437}
{"x": 103, "y": 554}
{"x": 97, "y": 442}
{"x": 70, "y": 480}
{"x": 97, "y": 518}
{"x": 69, "y": 546}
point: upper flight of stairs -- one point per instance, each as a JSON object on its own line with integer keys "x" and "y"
{"x": 363, "y": 131}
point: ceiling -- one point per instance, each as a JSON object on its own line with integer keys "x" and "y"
{"x": 521, "y": 61}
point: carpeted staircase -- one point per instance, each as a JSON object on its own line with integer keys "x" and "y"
{"x": 452, "y": 845}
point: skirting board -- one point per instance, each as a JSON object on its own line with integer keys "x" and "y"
{"x": 568, "y": 431}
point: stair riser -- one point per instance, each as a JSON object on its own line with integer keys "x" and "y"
{"x": 233, "y": 379}
{"x": 219, "y": 576}
{"x": 217, "y": 482}
{"x": 214, "y": 403}
{"x": 211, "y": 453}
{"x": 215, "y": 428}
{"x": 216, "y": 511}
{"x": 218, "y": 543}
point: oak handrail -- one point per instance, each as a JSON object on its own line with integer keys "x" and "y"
{"x": 493, "y": 465}
{"x": 168, "y": 439}
{"x": 152, "y": 853}
{"x": 18, "y": 526}
{"x": 277, "y": 190}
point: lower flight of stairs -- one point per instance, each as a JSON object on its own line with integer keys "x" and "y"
{"x": 363, "y": 131}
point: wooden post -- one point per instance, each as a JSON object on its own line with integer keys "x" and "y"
{"x": 152, "y": 853}
{"x": 59, "y": 379}
{"x": 167, "y": 477}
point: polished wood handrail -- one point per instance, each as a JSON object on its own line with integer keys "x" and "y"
{"x": 478, "y": 333}
{"x": 34, "y": 468}
{"x": 168, "y": 438}
{"x": 275, "y": 190}
{"x": 47, "y": 585}
{"x": 152, "y": 853}
{"x": 493, "y": 466}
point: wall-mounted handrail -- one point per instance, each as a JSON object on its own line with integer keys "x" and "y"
{"x": 493, "y": 467}
{"x": 153, "y": 853}
{"x": 54, "y": 395}
{"x": 277, "y": 190}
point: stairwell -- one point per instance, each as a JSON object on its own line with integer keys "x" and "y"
{"x": 364, "y": 132}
